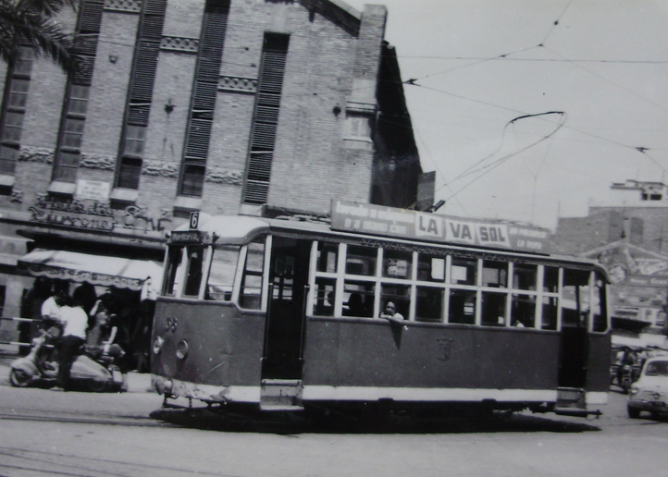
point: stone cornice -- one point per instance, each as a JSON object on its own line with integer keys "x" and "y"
{"x": 127, "y": 6}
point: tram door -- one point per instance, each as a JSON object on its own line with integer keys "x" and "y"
{"x": 284, "y": 334}
{"x": 574, "y": 337}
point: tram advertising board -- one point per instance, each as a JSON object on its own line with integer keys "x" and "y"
{"x": 429, "y": 227}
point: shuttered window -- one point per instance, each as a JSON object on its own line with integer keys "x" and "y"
{"x": 72, "y": 124}
{"x": 140, "y": 98}
{"x": 13, "y": 110}
{"x": 129, "y": 173}
{"x": 203, "y": 103}
{"x": 265, "y": 119}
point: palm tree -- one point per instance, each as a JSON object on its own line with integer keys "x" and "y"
{"x": 31, "y": 23}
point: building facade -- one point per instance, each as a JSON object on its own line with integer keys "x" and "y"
{"x": 252, "y": 107}
{"x": 628, "y": 233}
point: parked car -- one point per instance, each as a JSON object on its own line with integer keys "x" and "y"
{"x": 650, "y": 392}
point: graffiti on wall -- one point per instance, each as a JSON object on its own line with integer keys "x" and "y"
{"x": 96, "y": 215}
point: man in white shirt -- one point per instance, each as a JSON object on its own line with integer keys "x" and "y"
{"x": 50, "y": 312}
{"x": 75, "y": 323}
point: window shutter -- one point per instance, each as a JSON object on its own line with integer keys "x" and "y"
{"x": 138, "y": 114}
{"x": 260, "y": 167}
{"x": 212, "y": 40}
{"x": 91, "y": 16}
{"x": 141, "y": 92}
{"x": 265, "y": 119}
{"x": 153, "y": 20}
{"x": 144, "y": 74}
{"x": 205, "y": 96}
{"x": 256, "y": 192}
{"x": 198, "y": 138}
{"x": 85, "y": 44}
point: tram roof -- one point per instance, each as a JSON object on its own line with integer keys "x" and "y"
{"x": 241, "y": 229}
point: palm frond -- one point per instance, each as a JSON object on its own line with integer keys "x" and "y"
{"x": 31, "y": 23}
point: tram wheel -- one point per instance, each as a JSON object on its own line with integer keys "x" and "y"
{"x": 19, "y": 378}
{"x": 633, "y": 412}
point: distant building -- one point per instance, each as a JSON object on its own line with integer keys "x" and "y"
{"x": 255, "y": 107}
{"x": 628, "y": 234}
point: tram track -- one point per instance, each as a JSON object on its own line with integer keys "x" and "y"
{"x": 26, "y": 463}
{"x": 127, "y": 421}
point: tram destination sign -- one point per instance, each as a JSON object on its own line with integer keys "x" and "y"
{"x": 186, "y": 236}
{"x": 428, "y": 227}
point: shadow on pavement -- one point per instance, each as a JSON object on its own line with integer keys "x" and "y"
{"x": 298, "y": 423}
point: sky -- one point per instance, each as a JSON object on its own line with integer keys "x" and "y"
{"x": 529, "y": 110}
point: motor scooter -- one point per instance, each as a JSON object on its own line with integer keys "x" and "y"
{"x": 94, "y": 369}
{"x": 626, "y": 377}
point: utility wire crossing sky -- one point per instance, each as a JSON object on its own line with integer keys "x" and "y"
{"x": 529, "y": 110}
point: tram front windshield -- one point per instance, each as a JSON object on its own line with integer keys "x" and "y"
{"x": 207, "y": 272}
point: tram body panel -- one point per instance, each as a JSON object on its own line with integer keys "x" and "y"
{"x": 598, "y": 363}
{"x": 373, "y": 353}
{"x": 224, "y": 344}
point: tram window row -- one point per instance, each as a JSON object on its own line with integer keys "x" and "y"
{"x": 434, "y": 286}
{"x": 440, "y": 288}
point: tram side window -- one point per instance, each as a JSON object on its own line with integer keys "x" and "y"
{"x": 494, "y": 274}
{"x": 464, "y": 271}
{"x": 358, "y": 298}
{"x": 328, "y": 256}
{"x": 361, "y": 260}
{"x": 250, "y": 295}
{"x": 550, "y": 307}
{"x": 574, "y": 293}
{"x": 325, "y": 289}
{"x": 429, "y": 306}
{"x": 523, "y": 311}
{"x": 525, "y": 276}
{"x": 431, "y": 268}
{"x": 600, "y": 323}
{"x": 493, "y": 308}
{"x": 194, "y": 271}
{"x": 551, "y": 279}
{"x": 397, "y": 264}
{"x": 400, "y": 295}
{"x": 174, "y": 265}
{"x": 462, "y": 307}
{"x": 221, "y": 275}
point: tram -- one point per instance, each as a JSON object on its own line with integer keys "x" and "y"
{"x": 284, "y": 314}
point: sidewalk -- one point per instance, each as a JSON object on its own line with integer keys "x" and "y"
{"x": 137, "y": 382}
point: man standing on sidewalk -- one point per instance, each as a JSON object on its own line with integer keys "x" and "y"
{"x": 75, "y": 323}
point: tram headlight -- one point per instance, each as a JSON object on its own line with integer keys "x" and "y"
{"x": 182, "y": 349}
{"x": 157, "y": 345}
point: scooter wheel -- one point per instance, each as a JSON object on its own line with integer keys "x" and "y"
{"x": 19, "y": 378}
{"x": 97, "y": 386}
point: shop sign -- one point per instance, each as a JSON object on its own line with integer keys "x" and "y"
{"x": 94, "y": 215}
{"x": 409, "y": 224}
{"x": 92, "y": 190}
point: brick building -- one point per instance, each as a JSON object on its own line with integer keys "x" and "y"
{"x": 249, "y": 107}
{"x": 628, "y": 233}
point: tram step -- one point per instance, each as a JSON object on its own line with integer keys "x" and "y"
{"x": 280, "y": 395}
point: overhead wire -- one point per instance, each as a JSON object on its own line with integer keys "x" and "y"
{"x": 505, "y": 158}
{"x": 487, "y": 168}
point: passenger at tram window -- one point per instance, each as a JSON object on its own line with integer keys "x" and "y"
{"x": 523, "y": 311}
{"x": 355, "y": 305}
{"x": 390, "y": 312}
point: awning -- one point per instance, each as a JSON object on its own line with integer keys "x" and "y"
{"x": 138, "y": 275}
